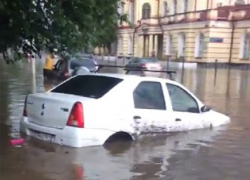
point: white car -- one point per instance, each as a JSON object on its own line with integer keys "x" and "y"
{"x": 91, "y": 109}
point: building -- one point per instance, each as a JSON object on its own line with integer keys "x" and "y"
{"x": 200, "y": 30}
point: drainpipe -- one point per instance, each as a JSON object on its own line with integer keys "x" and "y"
{"x": 232, "y": 41}
{"x": 159, "y": 21}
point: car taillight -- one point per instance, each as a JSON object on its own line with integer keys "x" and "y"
{"x": 159, "y": 67}
{"x": 25, "y": 107}
{"x": 143, "y": 65}
{"x": 76, "y": 116}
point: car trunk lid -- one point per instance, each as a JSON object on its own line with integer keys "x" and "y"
{"x": 51, "y": 109}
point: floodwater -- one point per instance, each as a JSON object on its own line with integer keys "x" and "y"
{"x": 221, "y": 153}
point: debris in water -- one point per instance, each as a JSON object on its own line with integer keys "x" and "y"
{"x": 16, "y": 142}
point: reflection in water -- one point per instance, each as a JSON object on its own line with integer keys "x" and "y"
{"x": 221, "y": 153}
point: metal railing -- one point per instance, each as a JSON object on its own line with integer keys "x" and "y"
{"x": 136, "y": 69}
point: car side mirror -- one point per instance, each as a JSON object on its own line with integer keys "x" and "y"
{"x": 205, "y": 108}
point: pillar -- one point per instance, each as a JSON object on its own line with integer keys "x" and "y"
{"x": 150, "y": 44}
{"x": 156, "y": 45}
{"x": 139, "y": 48}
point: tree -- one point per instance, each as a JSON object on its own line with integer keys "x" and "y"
{"x": 68, "y": 25}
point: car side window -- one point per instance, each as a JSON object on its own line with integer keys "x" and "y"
{"x": 149, "y": 95}
{"x": 135, "y": 61}
{"x": 58, "y": 64}
{"x": 181, "y": 100}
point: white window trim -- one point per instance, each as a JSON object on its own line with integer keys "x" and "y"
{"x": 198, "y": 45}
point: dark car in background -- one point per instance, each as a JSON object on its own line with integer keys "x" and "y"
{"x": 74, "y": 66}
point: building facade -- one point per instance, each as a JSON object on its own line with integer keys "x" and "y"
{"x": 198, "y": 30}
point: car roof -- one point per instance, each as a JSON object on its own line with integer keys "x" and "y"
{"x": 133, "y": 77}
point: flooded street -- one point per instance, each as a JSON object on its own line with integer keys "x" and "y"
{"x": 217, "y": 154}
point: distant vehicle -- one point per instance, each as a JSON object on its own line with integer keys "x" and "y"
{"x": 91, "y": 109}
{"x": 83, "y": 55}
{"x": 146, "y": 63}
{"x": 75, "y": 66}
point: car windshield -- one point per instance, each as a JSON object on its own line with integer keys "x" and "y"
{"x": 74, "y": 63}
{"x": 88, "y": 86}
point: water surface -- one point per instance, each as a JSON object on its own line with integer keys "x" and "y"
{"x": 220, "y": 153}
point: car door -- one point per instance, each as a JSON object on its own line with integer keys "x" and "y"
{"x": 135, "y": 63}
{"x": 149, "y": 106}
{"x": 186, "y": 113}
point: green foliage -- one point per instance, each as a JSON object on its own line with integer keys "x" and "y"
{"x": 68, "y": 25}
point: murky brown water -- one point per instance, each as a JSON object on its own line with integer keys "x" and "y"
{"x": 221, "y": 153}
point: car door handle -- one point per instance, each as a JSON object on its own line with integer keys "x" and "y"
{"x": 177, "y": 119}
{"x": 136, "y": 117}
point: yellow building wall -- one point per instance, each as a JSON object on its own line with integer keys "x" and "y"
{"x": 240, "y": 28}
{"x": 213, "y": 51}
{"x": 219, "y": 51}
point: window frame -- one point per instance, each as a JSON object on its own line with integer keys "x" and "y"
{"x": 197, "y": 101}
{"x": 185, "y": 6}
{"x": 175, "y": 7}
{"x": 182, "y": 49}
{"x": 201, "y": 45}
{"x": 246, "y": 47}
{"x": 146, "y": 11}
{"x": 165, "y": 8}
{"x": 163, "y": 95}
{"x": 132, "y": 12}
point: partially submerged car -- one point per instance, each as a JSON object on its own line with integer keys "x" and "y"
{"x": 91, "y": 109}
{"x": 147, "y": 63}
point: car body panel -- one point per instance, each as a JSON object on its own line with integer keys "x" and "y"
{"x": 115, "y": 112}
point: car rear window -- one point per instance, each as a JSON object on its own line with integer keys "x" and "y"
{"x": 88, "y": 86}
{"x": 81, "y": 62}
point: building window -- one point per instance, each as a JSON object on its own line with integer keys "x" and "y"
{"x": 165, "y": 8}
{"x": 175, "y": 6}
{"x": 131, "y": 12}
{"x": 199, "y": 44}
{"x": 182, "y": 45}
{"x": 169, "y": 46}
{"x": 185, "y": 6}
{"x": 239, "y": 2}
{"x": 121, "y": 8}
{"x": 246, "y": 46}
{"x": 146, "y": 11}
